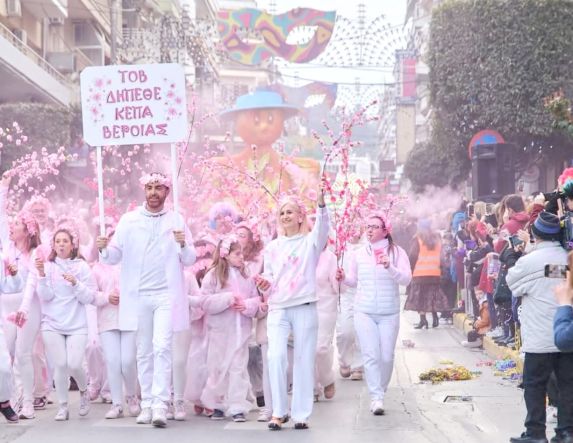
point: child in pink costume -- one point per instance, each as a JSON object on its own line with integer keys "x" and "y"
{"x": 119, "y": 348}
{"x": 231, "y": 301}
{"x": 252, "y": 247}
{"x": 327, "y": 292}
{"x": 181, "y": 349}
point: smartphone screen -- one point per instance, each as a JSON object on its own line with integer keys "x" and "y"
{"x": 556, "y": 271}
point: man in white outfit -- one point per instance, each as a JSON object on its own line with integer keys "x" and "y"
{"x": 153, "y": 245}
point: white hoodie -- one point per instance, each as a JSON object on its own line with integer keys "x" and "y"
{"x": 63, "y": 305}
{"x": 290, "y": 265}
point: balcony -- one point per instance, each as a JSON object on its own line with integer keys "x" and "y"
{"x": 53, "y": 9}
{"x": 88, "y": 10}
{"x": 28, "y": 77}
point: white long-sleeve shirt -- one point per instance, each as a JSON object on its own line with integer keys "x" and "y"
{"x": 290, "y": 265}
{"x": 128, "y": 246}
{"x": 63, "y": 305}
{"x": 7, "y": 281}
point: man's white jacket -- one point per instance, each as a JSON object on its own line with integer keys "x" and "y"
{"x": 128, "y": 246}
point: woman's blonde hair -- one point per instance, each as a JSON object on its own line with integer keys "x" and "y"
{"x": 304, "y": 227}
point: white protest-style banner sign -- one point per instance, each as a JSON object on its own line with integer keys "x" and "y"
{"x": 134, "y": 104}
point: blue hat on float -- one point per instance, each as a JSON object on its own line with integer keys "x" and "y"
{"x": 547, "y": 226}
{"x": 260, "y": 99}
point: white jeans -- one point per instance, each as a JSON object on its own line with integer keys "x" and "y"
{"x": 303, "y": 322}
{"x": 181, "y": 344}
{"x": 377, "y": 335}
{"x": 5, "y": 370}
{"x": 154, "y": 336}
{"x": 21, "y": 344}
{"x": 266, "y": 382}
{"x": 95, "y": 359}
{"x": 42, "y": 370}
{"x": 324, "y": 371}
{"x": 346, "y": 341}
{"x": 66, "y": 354}
{"x": 119, "y": 352}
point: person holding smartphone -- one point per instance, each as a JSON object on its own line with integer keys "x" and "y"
{"x": 527, "y": 281}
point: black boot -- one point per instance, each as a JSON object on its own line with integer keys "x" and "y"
{"x": 435, "y": 320}
{"x": 526, "y": 438}
{"x": 423, "y": 322}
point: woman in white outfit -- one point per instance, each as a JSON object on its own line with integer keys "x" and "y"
{"x": 19, "y": 240}
{"x": 377, "y": 271}
{"x": 12, "y": 279}
{"x": 65, "y": 284}
{"x": 290, "y": 269}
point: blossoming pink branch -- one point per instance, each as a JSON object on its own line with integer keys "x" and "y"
{"x": 339, "y": 147}
{"x": 33, "y": 169}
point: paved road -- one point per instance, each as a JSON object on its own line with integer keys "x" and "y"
{"x": 415, "y": 412}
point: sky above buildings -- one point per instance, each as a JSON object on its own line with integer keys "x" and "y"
{"x": 371, "y": 77}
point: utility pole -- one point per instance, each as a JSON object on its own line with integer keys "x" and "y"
{"x": 113, "y": 30}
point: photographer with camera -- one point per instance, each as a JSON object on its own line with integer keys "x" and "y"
{"x": 530, "y": 280}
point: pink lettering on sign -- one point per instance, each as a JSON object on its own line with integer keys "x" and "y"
{"x": 143, "y": 129}
{"x": 132, "y": 112}
{"x": 133, "y": 76}
{"x": 134, "y": 95}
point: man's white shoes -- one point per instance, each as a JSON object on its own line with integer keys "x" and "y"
{"x": 159, "y": 418}
{"x": 144, "y": 417}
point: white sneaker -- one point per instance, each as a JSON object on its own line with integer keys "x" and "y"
{"x": 551, "y": 414}
{"x": 496, "y": 332}
{"x": 106, "y": 397}
{"x": 27, "y": 411}
{"x": 377, "y": 407}
{"x": 116, "y": 411}
{"x": 180, "y": 412}
{"x": 63, "y": 414}
{"x": 472, "y": 344}
{"x": 159, "y": 419}
{"x": 133, "y": 406}
{"x": 169, "y": 414}
{"x": 144, "y": 417}
{"x": 84, "y": 404}
{"x": 264, "y": 415}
